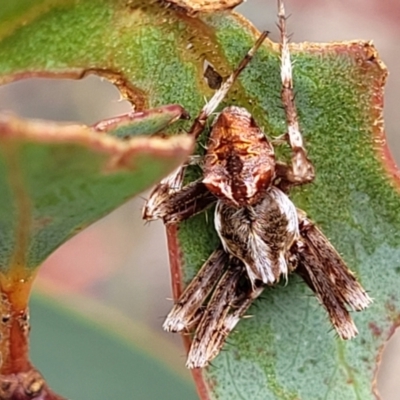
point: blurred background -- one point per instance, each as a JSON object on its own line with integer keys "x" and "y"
{"x": 117, "y": 270}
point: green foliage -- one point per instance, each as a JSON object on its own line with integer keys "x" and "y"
{"x": 286, "y": 350}
{"x": 97, "y": 364}
{"x": 55, "y": 180}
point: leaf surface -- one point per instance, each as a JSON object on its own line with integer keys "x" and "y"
{"x": 56, "y": 179}
{"x": 121, "y": 370}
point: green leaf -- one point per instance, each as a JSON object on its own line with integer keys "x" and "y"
{"x": 99, "y": 364}
{"x": 57, "y": 179}
{"x": 145, "y": 122}
{"x": 155, "y": 56}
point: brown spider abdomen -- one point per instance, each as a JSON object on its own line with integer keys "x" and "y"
{"x": 240, "y": 161}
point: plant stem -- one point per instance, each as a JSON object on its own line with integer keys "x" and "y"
{"x": 19, "y": 379}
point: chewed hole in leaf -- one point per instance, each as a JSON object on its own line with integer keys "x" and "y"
{"x": 87, "y": 100}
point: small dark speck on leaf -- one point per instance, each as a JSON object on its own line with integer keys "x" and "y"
{"x": 376, "y": 331}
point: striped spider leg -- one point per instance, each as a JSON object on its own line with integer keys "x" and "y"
{"x": 325, "y": 272}
{"x": 263, "y": 235}
{"x": 301, "y": 170}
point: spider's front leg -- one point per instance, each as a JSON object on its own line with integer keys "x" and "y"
{"x": 301, "y": 169}
{"x": 176, "y": 205}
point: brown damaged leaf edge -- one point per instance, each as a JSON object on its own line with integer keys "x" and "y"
{"x": 365, "y": 54}
{"x": 193, "y": 7}
{"x": 174, "y": 111}
{"x": 122, "y": 153}
{"x": 127, "y": 90}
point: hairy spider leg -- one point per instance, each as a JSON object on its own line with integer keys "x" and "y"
{"x": 200, "y": 121}
{"x": 189, "y": 303}
{"x": 231, "y": 298}
{"x": 325, "y": 272}
{"x": 207, "y": 341}
{"x": 239, "y": 301}
{"x": 301, "y": 169}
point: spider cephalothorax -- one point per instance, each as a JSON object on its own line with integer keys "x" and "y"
{"x": 240, "y": 162}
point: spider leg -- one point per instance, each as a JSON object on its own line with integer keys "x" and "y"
{"x": 314, "y": 276}
{"x": 200, "y": 121}
{"x": 301, "y": 170}
{"x": 175, "y": 206}
{"x": 239, "y": 303}
{"x": 161, "y": 194}
{"x": 207, "y": 341}
{"x": 231, "y": 298}
{"x": 186, "y": 308}
{"x": 342, "y": 279}
{"x": 327, "y": 275}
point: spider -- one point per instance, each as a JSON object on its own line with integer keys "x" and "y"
{"x": 263, "y": 235}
